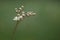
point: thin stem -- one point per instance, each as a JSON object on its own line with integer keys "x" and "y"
{"x": 13, "y": 33}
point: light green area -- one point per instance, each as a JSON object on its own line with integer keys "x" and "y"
{"x": 43, "y": 26}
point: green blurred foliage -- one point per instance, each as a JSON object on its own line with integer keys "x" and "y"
{"x": 43, "y": 26}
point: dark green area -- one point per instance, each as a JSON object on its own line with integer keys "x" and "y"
{"x": 43, "y": 26}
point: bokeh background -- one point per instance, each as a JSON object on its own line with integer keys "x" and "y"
{"x": 43, "y": 26}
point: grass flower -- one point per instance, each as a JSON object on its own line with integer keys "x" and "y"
{"x": 20, "y": 14}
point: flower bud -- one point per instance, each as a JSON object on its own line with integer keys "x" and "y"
{"x": 22, "y": 6}
{"x": 16, "y": 18}
{"x": 33, "y": 13}
{"x": 23, "y": 15}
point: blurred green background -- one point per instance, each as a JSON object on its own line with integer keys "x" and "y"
{"x": 43, "y": 26}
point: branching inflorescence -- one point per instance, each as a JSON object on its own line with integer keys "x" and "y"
{"x": 20, "y": 14}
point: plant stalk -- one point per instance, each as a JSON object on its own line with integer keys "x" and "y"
{"x": 15, "y": 28}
